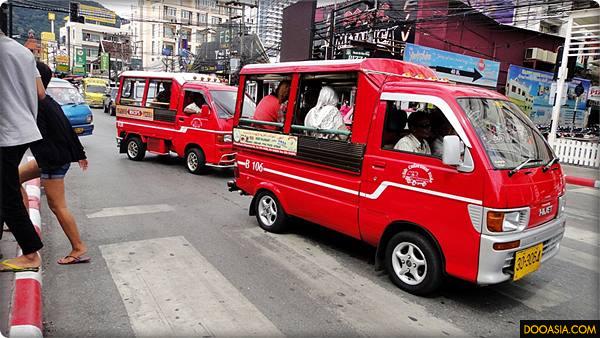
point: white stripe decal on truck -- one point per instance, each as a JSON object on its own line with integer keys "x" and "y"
{"x": 180, "y": 130}
{"x": 375, "y": 195}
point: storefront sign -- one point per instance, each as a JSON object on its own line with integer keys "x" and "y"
{"x": 79, "y": 70}
{"x": 137, "y": 113}
{"x": 104, "y": 61}
{"x": 455, "y": 67}
{"x": 80, "y": 57}
{"x": 277, "y": 143}
{"x": 531, "y": 90}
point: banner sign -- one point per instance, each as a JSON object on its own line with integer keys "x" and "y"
{"x": 136, "y": 113}
{"x": 104, "y": 61}
{"x": 455, "y": 67}
{"x": 80, "y": 57}
{"x": 277, "y": 143}
{"x": 97, "y": 14}
{"x": 531, "y": 90}
{"x": 79, "y": 70}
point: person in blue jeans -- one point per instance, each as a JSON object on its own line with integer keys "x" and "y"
{"x": 53, "y": 156}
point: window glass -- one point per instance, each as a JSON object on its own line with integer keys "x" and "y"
{"x": 267, "y": 101}
{"x": 224, "y": 101}
{"x": 325, "y": 105}
{"x": 193, "y": 101}
{"x": 159, "y": 94}
{"x": 507, "y": 134}
{"x": 133, "y": 92}
{"x": 415, "y": 127}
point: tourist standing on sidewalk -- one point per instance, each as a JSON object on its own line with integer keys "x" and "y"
{"x": 53, "y": 156}
{"x": 20, "y": 89}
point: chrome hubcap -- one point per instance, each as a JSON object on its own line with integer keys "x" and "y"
{"x": 132, "y": 148}
{"x": 409, "y": 263}
{"x": 192, "y": 161}
{"x": 267, "y": 210}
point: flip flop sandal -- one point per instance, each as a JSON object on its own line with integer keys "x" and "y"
{"x": 76, "y": 260}
{"x": 8, "y": 267}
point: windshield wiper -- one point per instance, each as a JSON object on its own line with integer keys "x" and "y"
{"x": 524, "y": 163}
{"x": 551, "y": 163}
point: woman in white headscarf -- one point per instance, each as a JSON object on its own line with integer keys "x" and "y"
{"x": 325, "y": 114}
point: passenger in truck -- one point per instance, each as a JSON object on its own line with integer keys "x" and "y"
{"x": 272, "y": 107}
{"x": 419, "y": 125}
{"x": 197, "y": 102}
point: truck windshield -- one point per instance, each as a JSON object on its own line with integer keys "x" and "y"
{"x": 95, "y": 89}
{"x": 509, "y": 137}
{"x": 225, "y": 102}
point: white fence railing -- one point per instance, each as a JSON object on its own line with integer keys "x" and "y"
{"x": 577, "y": 152}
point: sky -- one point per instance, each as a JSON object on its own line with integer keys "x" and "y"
{"x": 121, "y": 7}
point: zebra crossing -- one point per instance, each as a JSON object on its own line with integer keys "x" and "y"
{"x": 168, "y": 287}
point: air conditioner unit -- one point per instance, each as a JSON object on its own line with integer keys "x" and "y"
{"x": 551, "y": 57}
{"x": 533, "y": 54}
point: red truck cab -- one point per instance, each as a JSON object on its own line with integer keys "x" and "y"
{"x": 188, "y": 114}
{"x": 443, "y": 179}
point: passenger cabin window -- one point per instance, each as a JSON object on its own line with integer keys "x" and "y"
{"x": 193, "y": 102}
{"x": 133, "y": 92}
{"x": 159, "y": 94}
{"x": 325, "y": 106}
{"x": 267, "y": 101}
{"x": 415, "y": 127}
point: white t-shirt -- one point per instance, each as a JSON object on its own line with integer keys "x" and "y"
{"x": 18, "y": 94}
{"x": 412, "y": 144}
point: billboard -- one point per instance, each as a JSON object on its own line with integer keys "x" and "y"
{"x": 455, "y": 67}
{"x": 97, "y": 14}
{"x": 531, "y": 90}
{"x": 296, "y": 33}
{"x": 383, "y": 30}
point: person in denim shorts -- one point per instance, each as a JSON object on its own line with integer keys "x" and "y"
{"x": 53, "y": 156}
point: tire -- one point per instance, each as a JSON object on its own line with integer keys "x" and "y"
{"x": 419, "y": 270}
{"x": 269, "y": 213}
{"x": 195, "y": 161}
{"x": 136, "y": 149}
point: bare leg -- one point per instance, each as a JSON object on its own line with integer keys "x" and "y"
{"x": 27, "y": 171}
{"x": 55, "y": 193}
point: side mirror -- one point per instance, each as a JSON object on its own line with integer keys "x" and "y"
{"x": 204, "y": 111}
{"x": 453, "y": 148}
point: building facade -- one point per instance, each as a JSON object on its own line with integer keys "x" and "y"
{"x": 76, "y": 37}
{"x": 270, "y": 20}
{"x": 168, "y": 33}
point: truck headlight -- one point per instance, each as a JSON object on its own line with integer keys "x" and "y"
{"x": 507, "y": 221}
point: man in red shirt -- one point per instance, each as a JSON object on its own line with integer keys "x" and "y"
{"x": 272, "y": 107}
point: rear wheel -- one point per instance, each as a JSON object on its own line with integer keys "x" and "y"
{"x": 136, "y": 149}
{"x": 413, "y": 263}
{"x": 269, "y": 213}
{"x": 195, "y": 161}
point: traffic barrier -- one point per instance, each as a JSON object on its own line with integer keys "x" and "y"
{"x": 586, "y": 182}
{"x": 26, "y": 309}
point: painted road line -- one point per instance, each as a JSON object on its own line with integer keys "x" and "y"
{"x": 131, "y": 210}
{"x": 582, "y": 235}
{"x": 169, "y": 289}
{"x": 576, "y": 257}
{"x": 359, "y": 302}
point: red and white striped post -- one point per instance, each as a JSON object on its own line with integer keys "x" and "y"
{"x": 26, "y": 310}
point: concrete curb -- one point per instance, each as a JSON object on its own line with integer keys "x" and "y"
{"x": 586, "y": 182}
{"x": 26, "y": 310}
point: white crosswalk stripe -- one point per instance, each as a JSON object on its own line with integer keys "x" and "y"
{"x": 169, "y": 289}
{"x": 359, "y": 302}
{"x": 579, "y": 258}
{"x": 533, "y": 295}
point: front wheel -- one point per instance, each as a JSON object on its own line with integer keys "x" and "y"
{"x": 413, "y": 263}
{"x": 195, "y": 161}
{"x": 269, "y": 213}
{"x": 136, "y": 149}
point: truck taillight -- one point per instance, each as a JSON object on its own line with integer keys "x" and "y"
{"x": 226, "y": 138}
